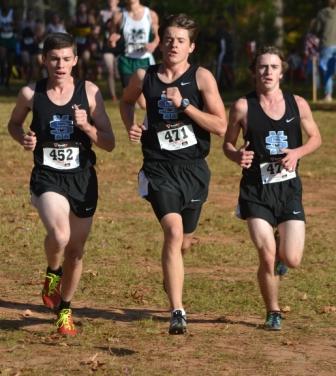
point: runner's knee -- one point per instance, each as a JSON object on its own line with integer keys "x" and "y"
{"x": 293, "y": 261}
{"x": 173, "y": 234}
{"x": 60, "y": 237}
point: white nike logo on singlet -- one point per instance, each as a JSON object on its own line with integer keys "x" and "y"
{"x": 289, "y": 120}
{"x": 185, "y": 83}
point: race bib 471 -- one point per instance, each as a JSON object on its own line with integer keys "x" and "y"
{"x": 177, "y": 138}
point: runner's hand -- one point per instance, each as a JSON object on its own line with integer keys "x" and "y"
{"x": 135, "y": 132}
{"x": 173, "y": 94}
{"x": 289, "y": 161}
{"x": 80, "y": 117}
{"x": 29, "y": 141}
{"x": 113, "y": 39}
{"x": 245, "y": 157}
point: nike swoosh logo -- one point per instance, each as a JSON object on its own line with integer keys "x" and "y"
{"x": 88, "y": 209}
{"x": 289, "y": 120}
{"x": 185, "y": 83}
{"x": 198, "y": 200}
{"x": 296, "y": 212}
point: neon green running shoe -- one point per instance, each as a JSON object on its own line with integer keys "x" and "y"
{"x": 64, "y": 323}
{"x": 51, "y": 292}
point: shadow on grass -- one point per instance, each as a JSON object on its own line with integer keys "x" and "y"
{"x": 114, "y": 314}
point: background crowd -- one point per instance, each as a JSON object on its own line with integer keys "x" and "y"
{"x": 22, "y": 34}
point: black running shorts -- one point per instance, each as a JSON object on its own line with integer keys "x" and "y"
{"x": 180, "y": 187}
{"x": 80, "y": 188}
{"x": 275, "y": 203}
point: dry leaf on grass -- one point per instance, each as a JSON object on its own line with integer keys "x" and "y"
{"x": 286, "y": 309}
{"x": 329, "y": 309}
{"x": 27, "y": 313}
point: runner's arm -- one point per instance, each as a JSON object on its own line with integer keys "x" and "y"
{"x": 115, "y": 29}
{"x": 23, "y": 106}
{"x": 313, "y": 141}
{"x": 237, "y": 122}
{"x": 100, "y": 133}
{"x": 151, "y": 46}
{"x": 212, "y": 117}
{"x": 127, "y": 105}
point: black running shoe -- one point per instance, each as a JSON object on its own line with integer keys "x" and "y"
{"x": 178, "y": 323}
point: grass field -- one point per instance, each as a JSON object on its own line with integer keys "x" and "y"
{"x": 120, "y": 306}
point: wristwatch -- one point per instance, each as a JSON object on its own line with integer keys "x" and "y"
{"x": 184, "y": 104}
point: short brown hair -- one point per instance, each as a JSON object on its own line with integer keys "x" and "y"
{"x": 182, "y": 21}
{"x": 269, "y": 50}
{"x": 56, "y": 41}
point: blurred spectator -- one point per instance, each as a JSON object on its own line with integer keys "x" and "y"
{"x": 94, "y": 67}
{"x": 28, "y": 45}
{"x": 138, "y": 26}
{"x": 109, "y": 53}
{"x": 325, "y": 29}
{"x": 311, "y": 45}
{"x": 39, "y": 69}
{"x": 55, "y": 25}
{"x": 225, "y": 76}
{"x": 8, "y": 42}
{"x": 81, "y": 28}
{"x": 251, "y": 48}
{"x": 295, "y": 66}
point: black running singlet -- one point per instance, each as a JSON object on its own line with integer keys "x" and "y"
{"x": 61, "y": 146}
{"x": 268, "y": 137}
{"x": 171, "y": 134}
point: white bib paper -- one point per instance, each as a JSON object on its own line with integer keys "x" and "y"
{"x": 177, "y": 138}
{"x": 274, "y": 172}
{"x": 61, "y": 158}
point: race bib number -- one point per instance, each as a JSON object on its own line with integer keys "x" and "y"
{"x": 61, "y": 158}
{"x": 274, "y": 172}
{"x": 135, "y": 47}
{"x": 177, "y": 138}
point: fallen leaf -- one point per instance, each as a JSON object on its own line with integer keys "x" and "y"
{"x": 286, "y": 309}
{"x": 304, "y": 297}
{"x": 328, "y": 309}
{"x": 27, "y": 313}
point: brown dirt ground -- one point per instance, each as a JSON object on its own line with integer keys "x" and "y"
{"x": 237, "y": 338}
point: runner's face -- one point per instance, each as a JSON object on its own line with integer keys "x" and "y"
{"x": 268, "y": 71}
{"x": 59, "y": 63}
{"x": 176, "y": 45}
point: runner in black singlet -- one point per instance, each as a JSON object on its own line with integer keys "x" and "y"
{"x": 68, "y": 116}
{"x": 183, "y": 108}
{"x": 270, "y": 195}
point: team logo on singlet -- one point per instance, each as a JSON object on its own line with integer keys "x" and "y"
{"x": 167, "y": 109}
{"x": 276, "y": 141}
{"x": 136, "y": 40}
{"x": 61, "y": 127}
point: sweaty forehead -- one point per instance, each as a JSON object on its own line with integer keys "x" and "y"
{"x": 269, "y": 59}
